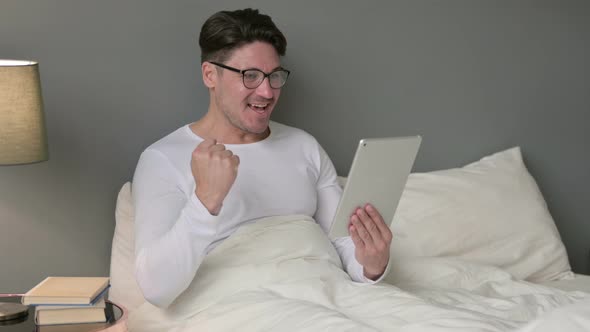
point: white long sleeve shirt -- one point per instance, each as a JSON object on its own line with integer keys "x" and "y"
{"x": 286, "y": 173}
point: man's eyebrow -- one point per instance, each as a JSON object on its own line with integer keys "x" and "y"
{"x": 272, "y": 70}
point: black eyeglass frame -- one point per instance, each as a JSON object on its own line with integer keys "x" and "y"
{"x": 265, "y": 75}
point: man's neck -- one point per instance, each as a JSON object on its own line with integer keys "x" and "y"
{"x": 217, "y": 127}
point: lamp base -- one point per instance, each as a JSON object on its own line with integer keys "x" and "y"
{"x": 9, "y": 311}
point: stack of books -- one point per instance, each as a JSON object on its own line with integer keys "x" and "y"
{"x": 68, "y": 300}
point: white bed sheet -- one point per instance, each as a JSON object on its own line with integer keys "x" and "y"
{"x": 580, "y": 282}
{"x": 282, "y": 274}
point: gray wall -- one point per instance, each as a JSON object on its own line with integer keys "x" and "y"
{"x": 472, "y": 77}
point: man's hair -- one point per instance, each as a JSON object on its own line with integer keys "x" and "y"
{"x": 226, "y": 31}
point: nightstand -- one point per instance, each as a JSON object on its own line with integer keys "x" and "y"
{"x": 116, "y": 321}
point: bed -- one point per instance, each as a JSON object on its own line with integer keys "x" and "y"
{"x": 475, "y": 249}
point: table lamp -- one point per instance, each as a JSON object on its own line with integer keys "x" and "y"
{"x": 23, "y": 138}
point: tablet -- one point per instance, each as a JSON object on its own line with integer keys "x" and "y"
{"x": 378, "y": 175}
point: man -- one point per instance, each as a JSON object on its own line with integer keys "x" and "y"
{"x": 196, "y": 186}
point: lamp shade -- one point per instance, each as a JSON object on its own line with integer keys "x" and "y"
{"x": 23, "y": 137}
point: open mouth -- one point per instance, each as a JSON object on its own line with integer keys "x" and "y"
{"x": 259, "y": 107}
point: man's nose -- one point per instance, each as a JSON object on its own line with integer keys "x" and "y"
{"x": 264, "y": 89}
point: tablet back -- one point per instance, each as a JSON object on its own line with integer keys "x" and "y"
{"x": 378, "y": 175}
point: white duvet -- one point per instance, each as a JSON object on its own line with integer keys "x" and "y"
{"x": 282, "y": 274}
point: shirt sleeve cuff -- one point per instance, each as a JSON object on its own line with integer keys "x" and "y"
{"x": 369, "y": 281}
{"x": 201, "y": 220}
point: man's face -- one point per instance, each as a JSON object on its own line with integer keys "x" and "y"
{"x": 248, "y": 109}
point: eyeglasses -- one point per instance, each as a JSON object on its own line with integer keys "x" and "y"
{"x": 252, "y": 78}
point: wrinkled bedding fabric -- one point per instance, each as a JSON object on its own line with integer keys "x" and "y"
{"x": 283, "y": 274}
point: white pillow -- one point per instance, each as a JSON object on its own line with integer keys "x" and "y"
{"x": 124, "y": 289}
{"x": 490, "y": 211}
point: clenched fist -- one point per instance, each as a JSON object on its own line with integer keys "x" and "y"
{"x": 214, "y": 169}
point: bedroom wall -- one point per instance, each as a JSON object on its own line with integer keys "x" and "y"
{"x": 473, "y": 77}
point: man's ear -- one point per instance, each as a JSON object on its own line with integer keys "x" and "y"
{"x": 209, "y": 74}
